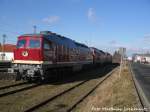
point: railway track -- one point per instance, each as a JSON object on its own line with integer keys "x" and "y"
{"x": 66, "y": 95}
{"x": 54, "y": 97}
{"x": 12, "y": 89}
{"x": 13, "y": 85}
{"x": 88, "y": 93}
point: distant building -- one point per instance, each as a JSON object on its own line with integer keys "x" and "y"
{"x": 142, "y": 58}
{"x": 6, "y": 52}
{"x": 122, "y": 51}
{"x": 129, "y": 58}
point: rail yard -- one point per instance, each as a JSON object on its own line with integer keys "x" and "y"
{"x": 69, "y": 93}
{"x": 74, "y": 56}
{"x": 53, "y": 73}
{"x": 23, "y": 96}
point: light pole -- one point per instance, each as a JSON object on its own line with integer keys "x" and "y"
{"x": 3, "y": 50}
{"x": 34, "y": 29}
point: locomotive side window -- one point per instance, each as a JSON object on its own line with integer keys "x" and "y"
{"x": 21, "y": 43}
{"x": 34, "y": 44}
{"x": 47, "y": 45}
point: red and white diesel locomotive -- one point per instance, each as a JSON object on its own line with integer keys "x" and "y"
{"x": 38, "y": 55}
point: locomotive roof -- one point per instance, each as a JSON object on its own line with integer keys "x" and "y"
{"x": 98, "y": 50}
{"x": 81, "y": 45}
{"x": 38, "y": 35}
{"x": 102, "y": 51}
{"x": 61, "y": 40}
{"x": 108, "y": 53}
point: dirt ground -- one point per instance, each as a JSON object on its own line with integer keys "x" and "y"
{"x": 116, "y": 94}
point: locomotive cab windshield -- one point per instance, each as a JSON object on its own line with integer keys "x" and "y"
{"x": 29, "y": 43}
{"x": 34, "y": 43}
{"x": 21, "y": 43}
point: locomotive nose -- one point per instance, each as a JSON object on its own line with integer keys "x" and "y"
{"x": 28, "y": 49}
{"x": 28, "y": 54}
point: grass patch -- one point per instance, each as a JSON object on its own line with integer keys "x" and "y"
{"x": 117, "y": 92}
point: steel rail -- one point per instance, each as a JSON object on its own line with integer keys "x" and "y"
{"x": 13, "y": 85}
{"x": 19, "y": 90}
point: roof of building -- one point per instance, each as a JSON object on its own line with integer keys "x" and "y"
{"x": 7, "y": 47}
{"x": 148, "y": 55}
